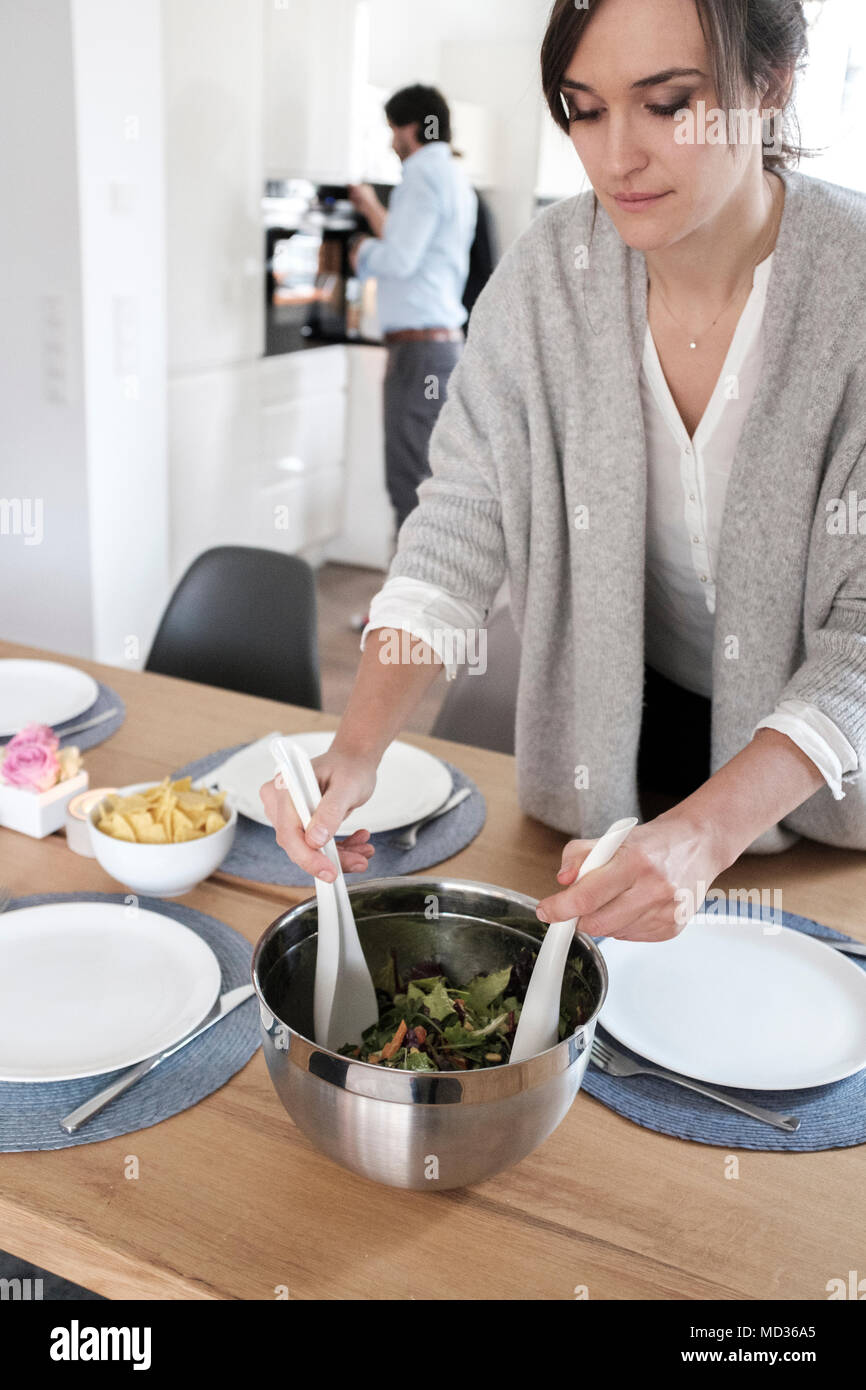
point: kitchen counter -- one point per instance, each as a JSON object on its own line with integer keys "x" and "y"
{"x": 282, "y": 335}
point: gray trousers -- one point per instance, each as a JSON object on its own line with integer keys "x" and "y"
{"x": 416, "y": 380}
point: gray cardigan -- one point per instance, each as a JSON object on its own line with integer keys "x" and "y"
{"x": 543, "y": 416}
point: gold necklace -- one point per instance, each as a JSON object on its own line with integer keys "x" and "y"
{"x": 693, "y": 342}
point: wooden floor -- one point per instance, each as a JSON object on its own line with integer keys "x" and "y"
{"x": 343, "y": 591}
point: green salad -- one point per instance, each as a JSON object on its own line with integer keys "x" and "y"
{"x": 428, "y": 1023}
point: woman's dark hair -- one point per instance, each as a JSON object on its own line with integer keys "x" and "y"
{"x": 415, "y": 106}
{"x": 753, "y": 44}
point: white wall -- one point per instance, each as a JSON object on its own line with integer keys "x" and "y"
{"x": 405, "y": 37}
{"x": 45, "y": 587}
{"x": 831, "y": 93}
{"x": 560, "y": 172}
{"x": 82, "y": 365}
{"x": 117, "y": 55}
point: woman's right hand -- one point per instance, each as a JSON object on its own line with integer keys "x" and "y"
{"x": 347, "y": 781}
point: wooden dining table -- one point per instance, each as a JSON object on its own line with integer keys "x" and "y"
{"x": 232, "y": 1201}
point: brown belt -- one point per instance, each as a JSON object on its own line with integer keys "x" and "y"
{"x": 425, "y": 335}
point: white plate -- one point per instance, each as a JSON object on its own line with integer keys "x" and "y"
{"x": 738, "y": 1002}
{"x": 88, "y": 987}
{"x": 42, "y": 692}
{"x": 409, "y": 783}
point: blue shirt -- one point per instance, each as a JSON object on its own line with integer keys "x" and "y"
{"x": 421, "y": 263}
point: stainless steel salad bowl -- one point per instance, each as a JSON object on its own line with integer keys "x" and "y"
{"x": 422, "y": 1130}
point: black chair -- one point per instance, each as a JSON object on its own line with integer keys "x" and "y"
{"x": 243, "y": 619}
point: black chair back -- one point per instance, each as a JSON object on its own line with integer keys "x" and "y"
{"x": 243, "y": 619}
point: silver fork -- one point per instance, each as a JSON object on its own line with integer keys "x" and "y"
{"x": 615, "y": 1063}
{"x": 407, "y": 838}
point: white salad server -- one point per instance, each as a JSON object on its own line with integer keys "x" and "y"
{"x": 344, "y": 996}
{"x": 538, "y": 1026}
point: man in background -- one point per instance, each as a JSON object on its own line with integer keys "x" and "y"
{"x": 419, "y": 256}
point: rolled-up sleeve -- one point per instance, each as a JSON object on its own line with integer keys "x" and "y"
{"x": 424, "y": 611}
{"x": 818, "y": 737}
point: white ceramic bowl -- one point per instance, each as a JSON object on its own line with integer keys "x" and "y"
{"x": 168, "y": 871}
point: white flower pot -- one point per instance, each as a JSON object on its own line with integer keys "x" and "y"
{"x": 39, "y": 813}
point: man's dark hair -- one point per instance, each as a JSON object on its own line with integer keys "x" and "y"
{"x": 415, "y": 106}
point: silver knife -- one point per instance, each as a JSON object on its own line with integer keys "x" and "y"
{"x": 224, "y": 1006}
{"x": 851, "y": 948}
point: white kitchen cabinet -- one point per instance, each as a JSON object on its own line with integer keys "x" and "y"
{"x": 297, "y": 516}
{"x": 315, "y": 66}
{"x": 286, "y": 29}
{"x": 302, "y": 419}
{"x": 311, "y": 372}
{"x": 256, "y": 445}
{"x": 213, "y": 453}
{"x": 258, "y": 455}
{"x": 367, "y": 531}
{"x": 212, "y": 98}
{"x": 301, "y": 465}
{"x": 302, "y": 436}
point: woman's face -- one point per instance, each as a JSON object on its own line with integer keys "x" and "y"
{"x": 623, "y": 125}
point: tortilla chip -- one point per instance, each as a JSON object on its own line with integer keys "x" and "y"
{"x": 121, "y": 828}
{"x": 166, "y": 813}
{"x": 153, "y": 834}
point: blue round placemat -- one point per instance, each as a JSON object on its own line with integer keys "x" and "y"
{"x": 256, "y": 855}
{"x": 831, "y": 1117}
{"x": 30, "y": 1111}
{"x": 106, "y": 699}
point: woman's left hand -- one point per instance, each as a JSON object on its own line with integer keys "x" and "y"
{"x": 649, "y": 891}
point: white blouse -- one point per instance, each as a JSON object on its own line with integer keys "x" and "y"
{"x": 686, "y": 484}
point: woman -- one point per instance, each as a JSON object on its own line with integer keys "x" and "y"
{"x": 660, "y": 410}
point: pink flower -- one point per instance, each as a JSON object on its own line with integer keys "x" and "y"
{"x": 35, "y": 733}
{"x": 29, "y": 760}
